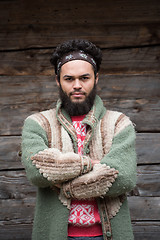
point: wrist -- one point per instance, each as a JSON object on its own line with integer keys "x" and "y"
{"x": 86, "y": 164}
{"x": 67, "y": 190}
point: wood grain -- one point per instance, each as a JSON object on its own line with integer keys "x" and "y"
{"x": 144, "y": 114}
{"x": 148, "y": 183}
{"x": 16, "y": 231}
{"x": 146, "y": 230}
{"x": 14, "y": 211}
{"x": 9, "y": 153}
{"x": 21, "y": 11}
{"x": 115, "y": 61}
{"x": 135, "y": 95}
{"x": 26, "y": 24}
{"x": 14, "y": 184}
{"x": 147, "y": 209}
{"x": 128, "y": 33}
{"x": 142, "y": 231}
{"x": 147, "y": 148}
{"x": 26, "y": 36}
{"x": 17, "y": 201}
{"x": 35, "y": 89}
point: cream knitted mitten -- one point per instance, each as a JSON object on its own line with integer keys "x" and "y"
{"x": 91, "y": 185}
{"x": 60, "y": 167}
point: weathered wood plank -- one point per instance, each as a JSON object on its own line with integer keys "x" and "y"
{"x": 22, "y": 11}
{"x": 18, "y": 202}
{"x": 146, "y": 230}
{"x": 9, "y": 153}
{"x": 143, "y": 112}
{"x": 129, "y": 86}
{"x": 17, "y": 231}
{"x": 142, "y": 231}
{"x": 27, "y": 89}
{"x": 144, "y": 208}
{"x": 13, "y": 116}
{"x": 50, "y": 23}
{"x": 22, "y": 211}
{"x": 135, "y": 95}
{"x": 148, "y": 181}
{"x": 15, "y": 211}
{"x": 147, "y": 148}
{"x": 14, "y": 184}
{"x": 31, "y": 89}
{"x": 131, "y": 60}
{"x": 17, "y": 206}
{"x": 115, "y": 61}
{"x": 103, "y": 34}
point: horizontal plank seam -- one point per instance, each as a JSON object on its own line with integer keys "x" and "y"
{"x": 27, "y": 49}
{"x": 131, "y": 46}
{"x": 145, "y": 221}
{"x": 12, "y": 169}
{"x": 18, "y": 135}
{"x": 150, "y": 164}
{"x": 110, "y": 48}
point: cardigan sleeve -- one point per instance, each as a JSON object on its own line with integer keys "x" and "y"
{"x": 121, "y": 178}
{"x": 122, "y": 157}
{"x": 48, "y": 166}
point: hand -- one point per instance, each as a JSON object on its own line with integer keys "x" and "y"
{"x": 95, "y": 162}
{"x": 96, "y": 183}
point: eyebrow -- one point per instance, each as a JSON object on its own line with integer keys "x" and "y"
{"x": 83, "y": 75}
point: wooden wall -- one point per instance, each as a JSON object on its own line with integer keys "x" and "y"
{"x": 128, "y": 33}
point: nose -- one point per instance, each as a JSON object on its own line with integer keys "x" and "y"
{"x": 77, "y": 84}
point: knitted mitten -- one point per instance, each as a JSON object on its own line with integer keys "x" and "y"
{"x": 93, "y": 184}
{"x": 60, "y": 167}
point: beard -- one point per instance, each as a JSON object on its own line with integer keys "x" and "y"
{"x": 77, "y": 108}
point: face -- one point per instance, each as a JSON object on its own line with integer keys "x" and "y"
{"x": 77, "y": 80}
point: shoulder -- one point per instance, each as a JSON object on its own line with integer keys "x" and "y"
{"x": 116, "y": 121}
{"x": 42, "y": 118}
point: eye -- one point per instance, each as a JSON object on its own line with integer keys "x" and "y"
{"x": 68, "y": 79}
{"x": 83, "y": 78}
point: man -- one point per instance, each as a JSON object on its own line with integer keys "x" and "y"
{"x": 80, "y": 155}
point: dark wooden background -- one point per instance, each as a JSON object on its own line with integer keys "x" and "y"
{"x": 128, "y": 33}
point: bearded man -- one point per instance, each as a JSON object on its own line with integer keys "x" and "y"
{"x": 80, "y": 155}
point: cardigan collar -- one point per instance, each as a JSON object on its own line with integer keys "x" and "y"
{"x": 91, "y": 119}
{"x": 95, "y": 114}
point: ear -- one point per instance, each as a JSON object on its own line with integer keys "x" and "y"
{"x": 57, "y": 81}
{"x": 97, "y": 78}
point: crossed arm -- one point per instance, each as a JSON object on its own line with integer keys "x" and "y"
{"x": 77, "y": 175}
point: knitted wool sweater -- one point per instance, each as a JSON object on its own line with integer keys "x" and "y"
{"x": 50, "y": 156}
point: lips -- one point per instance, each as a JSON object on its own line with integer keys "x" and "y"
{"x": 77, "y": 94}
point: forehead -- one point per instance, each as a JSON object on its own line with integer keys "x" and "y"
{"x": 77, "y": 67}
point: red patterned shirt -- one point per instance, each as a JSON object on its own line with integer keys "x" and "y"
{"x": 84, "y": 219}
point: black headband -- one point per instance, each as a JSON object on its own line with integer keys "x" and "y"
{"x": 77, "y": 55}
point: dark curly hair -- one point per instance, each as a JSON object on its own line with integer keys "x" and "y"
{"x": 75, "y": 45}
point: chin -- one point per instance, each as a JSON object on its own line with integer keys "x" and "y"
{"x": 78, "y": 100}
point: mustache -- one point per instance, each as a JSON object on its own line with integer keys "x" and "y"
{"x": 77, "y": 91}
